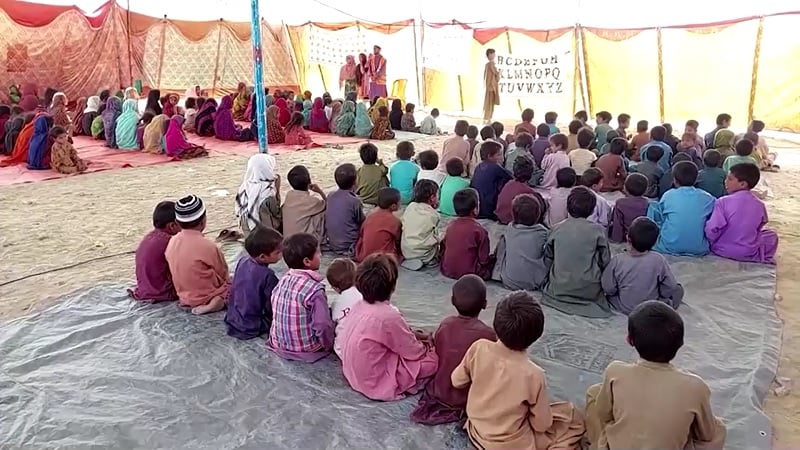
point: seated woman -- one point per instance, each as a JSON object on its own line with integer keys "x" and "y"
{"x": 125, "y": 129}
{"x": 225, "y": 127}
{"x": 19, "y": 154}
{"x": 363, "y": 124}
{"x": 396, "y": 114}
{"x": 283, "y": 111}
{"x": 30, "y": 99}
{"x": 59, "y": 113}
{"x": 346, "y": 122}
{"x": 382, "y": 130}
{"x": 12, "y": 129}
{"x": 175, "y": 143}
{"x": 147, "y": 117}
{"x": 89, "y": 114}
{"x": 336, "y": 111}
{"x": 275, "y": 133}
{"x": 41, "y": 141}
{"x": 63, "y": 157}
{"x": 77, "y": 117}
{"x": 204, "y": 122}
{"x": 170, "y": 105}
{"x": 239, "y": 102}
{"x": 153, "y": 137}
{"x": 153, "y": 102}
{"x": 295, "y": 134}
{"x": 374, "y": 110}
{"x": 110, "y": 115}
{"x": 318, "y": 121}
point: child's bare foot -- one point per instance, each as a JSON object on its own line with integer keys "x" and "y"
{"x": 214, "y": 305}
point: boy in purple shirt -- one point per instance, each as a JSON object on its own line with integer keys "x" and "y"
{"x": 249, "y": 311}
{"x": 153, "y": 278}
{"x": 541, "y": 144}
{"x": 345, "y": 213}
{"x": 489, "y": 179}
{"x": 630, "y": 207}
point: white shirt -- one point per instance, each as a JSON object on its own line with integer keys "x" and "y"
{"x": 435, "y": 175}
{"x": 581, "y": 160}
{"x": 602, "y": 211}
{"x": 340, "y": 307}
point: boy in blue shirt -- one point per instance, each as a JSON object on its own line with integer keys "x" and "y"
{"x": 489, "y": 178}
{"x": 403, "y": 172}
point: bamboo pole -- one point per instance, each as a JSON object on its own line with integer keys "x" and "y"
{"x": 460, "y": 93}
{"x": 510, "y": 52}
{"x": 163, "y": 37}
{"x": 754, "y": 80}
{"x": 322, "y": 76}
{"x": 576, "y": 74}
{"x": 216, "y": 62}
{"x": 416, "y": 58}
{"x": 587, "y": 100}
{"x": 659, "y": 44}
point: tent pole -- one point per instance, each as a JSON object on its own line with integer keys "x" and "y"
{"x": 216, "y": 63}
{"x": 754, "y": 80}
{"x": 510, "y": 52}
{"x": 258, "y": 76}
{"x": 164, "y": 25}
{"x": 416, "y": 58}
{"x": 659, "y": 44}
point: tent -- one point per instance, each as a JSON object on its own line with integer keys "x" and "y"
{"x": 692, "y": 60}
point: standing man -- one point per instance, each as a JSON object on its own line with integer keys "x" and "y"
{"x": 377, "y": 70}
{"x": 491, "y": 79}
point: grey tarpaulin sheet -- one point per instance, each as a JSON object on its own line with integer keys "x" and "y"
{"x": 99, "y": 371}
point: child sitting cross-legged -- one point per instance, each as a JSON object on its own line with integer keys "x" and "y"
{"x": 582, "y": 158}
{"x": 371, "y": 177}
{"x": 744, "y": 150}
{"x": 153, "y": 278}
{"x": 640, "y": 275}
{"x": 658, "y": 182}
{"x": 341, "y": 275}
{"x": 403, "y": 172}
{"x": 249, "y": 311}
{"x": 735, "y": 229}
{"x": 381, "y": 357}
{"x": 302, "y": 329}
{"x": 626, "y": 412}
{"x": 575, "y": 255}
{"x": 630, "y": 207}
{"x": 557, "y": 205}
{"x": 63, "y": 157}
{"x": 453, "y": 183}
{"x": 381, "y": 230}
{"x": 593, "y": 179}
{"x": 508, "y": 406}
{"x": 712, "y": 177}
{"x": 457, "y": 146}
{"x": 344, "y": 213}
{"x": 429, "y": 165}
{"x": 520, "y": 252}
{"x": 489, "y": 178}
{"x": 465, "y": 247}
{"x": 613, "y": 166}
{"x": 441, "y": 402}
{"x": 420, "y": 242}
{"x": 301, "y": 211}
{"x": 523, "y": 171}
{"x": 198, "y": 266}
{"x": 682, "y": 214}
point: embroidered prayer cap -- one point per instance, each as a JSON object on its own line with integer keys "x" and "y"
{"x": 189, "y": 208}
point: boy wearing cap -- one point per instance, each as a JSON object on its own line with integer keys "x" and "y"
{"x": 198, "y": 268}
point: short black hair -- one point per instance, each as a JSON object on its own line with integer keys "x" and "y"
{"x": 611, "y": 135}
{"x": 643, "y": 234}
{"x": 299, "y": 178}
{"x": 543, "y": 130}
{"x": 751, "y": 136}
{"x": 405, "y": 150}
{"x": 722, "y": 118}
{"x": 692, "y": 123}
{"x": 526, "y": 210}
{"x": 345, "y": 176}
{"x": 428, "y": 160}
{"x": 376, "y": 277}
{"x": 498, "y": 128}
{"x": 575, "y": 126}
{"x": 712, "y": 158}
{"x": 550, "y": 117}
{"x": 757, "y": 126}
{"x": 642, "y": 126}
{"x": 523, "y": 140}
{"x": 424, "y": 190}
{"x": 57, "y": 131}
{"x": 581, "y": 202}
{"x": 636, "y": 184}
{"x": 591, "y": 176}
{"x": 469, "y": 295}
{"x": 465, "y": 202}
{"x": 654, "y": 153}
{"x": 605, "y": 115}
{"x": 582, "y": 115}
{"x": 623, "y": 118}
{"x": 262, "y": 241}
{"x": 190, "y": 102}
{"x": 685, "y": 173}
{"x": 368, "y": 153}
{"x": 341, "y": 274}
{"x": 560, "y": 140}
{"x": 489, "y": 149}
{"x": 527, "y": 115}
{"x": 523, "y": 168}
{"x": 658, "y": 133}
{"x": 163, "y": 214}
{"x": 585, "y": 138}
{"x": 656, "y": 331}
{"x": 461, "y": 128}
{"x": 566, "y": 177}
{"x": 617, "y": 146}
{"x": 518, "y": 320}
{"x": 490, "y": 51}
{"x": 747, "y": 173}
{"x": 472, "y": 132}
{"x": 435, "y": 112}
{"x": 298, "y": 247}
{"x": 387, "y": 197}
{"x": 680, "y": 156}
{"x": 487, "y": 132}
{"x": 744, "y": 147}
{"x": 454, "y": 167}
{"x": 410, "y": 107}
{"x": 667, "y": 128}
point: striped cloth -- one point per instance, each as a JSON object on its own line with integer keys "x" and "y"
{"x": 291, "y": 312}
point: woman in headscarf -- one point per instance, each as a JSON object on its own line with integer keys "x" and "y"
{"x": 19, "y": 154}
{"x": 5, "y": 115}
{"x": 39, "y": 147}
{"x": 154, "y": 134}
{"x": 373, "y": 110}
{"x": 154, "y": 102}
{"x": 77, "y": 117}
{"x": 336, "y": 111}
{"x": 49, "y": 93}
{"x": 12, "y": 130}
{"x": 98, "y": 131}
{"x": 192, "y": 92}
{"x": 382, "y": 130}
{"x": 104, "y": 94}
{"x": 275, "y": 133}
{"x": 318, "y": 121}
{"x": 171, "y": 105}
{"x": 30, "y": 100}
{"x": 258, "y": 202}
{"x": 283, "y": 111}
{"x": 723, "y": 143}
{"x": 362, "y": 76}
{"x": 326, "y": 103}
{"x": 239, "y": 103}
{"x": 89, "y": 114}
{"x": 396, "y": 114}
{"x": 346, "y": 122}
{"x": 58, "y": 111}
{"x": 363, "y": 124}
{"x": 147, "y": 117}
{"x": 125, "y": 130}
{"x": 110, "y": 115}
{"x": 225, "y": 127}
{"x": 175, "y": 142}
{"x": 347, "y": 75}
{"x": 204, "y": 121}
{"x": 307, "y": 105}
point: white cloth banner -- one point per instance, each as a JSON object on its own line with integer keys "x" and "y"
{"x": 447, "y": 49}
{"x": 332, "y": 47}
{"x": 543, "y": 74}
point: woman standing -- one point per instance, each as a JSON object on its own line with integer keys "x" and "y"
{"x": 362, "y": 76}
{"x": 347, "y": 76}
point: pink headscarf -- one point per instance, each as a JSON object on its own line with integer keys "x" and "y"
{"x": 318, "y": 121}
{"x": 283, "y": 111}
{"x": 174, "y": 139}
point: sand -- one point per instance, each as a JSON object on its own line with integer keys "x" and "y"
{"x": 59, "y": 223}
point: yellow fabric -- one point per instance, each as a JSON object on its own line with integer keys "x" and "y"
{"x": 777, "y": 90}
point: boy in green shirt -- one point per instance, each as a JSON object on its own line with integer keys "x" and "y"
{"x": 453, "y": 183}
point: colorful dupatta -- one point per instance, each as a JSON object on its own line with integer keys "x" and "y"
{"x": 363, "y": 125}
{"x": 275, "y": 133}
{"x": 39, "y": 147}
{"x": 125, "y": 130}
{"x": 153, "y": 134}
{"x": 283, "y": 111}
{"x": 336, "y": 111}
{"x": 723, "y": 142}
{"x": 318, "y": 121}
{"x": 307, "y": 105}
{"x": 239, "y": 104}
{"x": 77, "y": 117}
{"x": 373, "y": 110}
{"x": 224, "y": 125}
{"x": 204, "y": 121}
{"x": 19, "y": 154}
{"x": 175, "y": 142}
{"x": 58, "y": 111}
{"x": 346, "y": 122}
{"x": 112, "y": 111}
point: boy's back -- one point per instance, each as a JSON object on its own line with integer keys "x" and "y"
{"x": 380, "y": 233}
{"x": 303, "y": 212}
{"x": 450, "y": 186}
{"x": 632, "y": 279}
{"x": 402, "y": 175}
{"x": 682, "y": 214}
{"x": 249, "y": 312}
{"x": 488, "y": 180}
{"x": 153, "y": 278}
{"x": 653, "y": 174}
{"x": 198, "y": 268}
{"x": 466, "y": 249}
{"x": 371, "y": 179}
{"x": 712, "y": 180}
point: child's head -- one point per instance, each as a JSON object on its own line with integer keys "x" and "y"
{"x": 498, "y": 129}
{"x": 526, "y": 210}
{"x": 744, "y": 147}
{"x": 575, "y": 126}
{"x": 636, "y": 184}
{"x": 656, "y": 331}
{"x": 611, "y": 135}
{"x": 550, "y": 117}
{"x": 558, "y": 142}
{"x": 523, "y": 168}
{"x": 299, "y": 178}
{"x": 164, "y": 218}
{"x": 383, "y": 111}
{"x": 712, "y": 158}
{"x": 487, "y": 133}
{"x": 341, "y": 274}
{"x": 427, "y": 191}
{"x": 410, "y": 108}
{"x": 345, "y": 176}
{"x": 654, "y": 153}
{"x": 742, "y": 176}
{"x": 543, "y": 130}
{"x": 368, "y": 153}
{"x": 469, "y": 295}
{"x": 667, "y": 128}
{"x": 465, "y": 203}
{"x": 59, "y": 134}
{"x": 603, "y": 117}
{"x": 581, "y": 202}
{"x": 583, "y": 116}
{"x": 566, "y": 177}
{"x": 405, "y": 150}
{"x": 190, "y": 103}
{"x": 491, "y": 151}
{"x": 435, "y": 113}
{"x": 376, "y": 277}
{"x": 301, "y": 251}
{"x": 527, "y": 115}
{"x": 684, "y": 173}
{"x": 461, "y": 128}
{"x": 523, "y": 140}
{"x": 472, "y": 132}
{"x": 752, "y": 137}
{"x": 658, "y": 133}
{"x": 190, "y": 213}
{"x": 643, "y": 234}
{"x": 454, "y": 167}
{"x": 757, "y": 126}
{"x": 518, "y": 320}
{"x": 490, "y": 54}
{"x": 585, "y": 138}
{"x": 624, "y": 121}
{"x": 680, "y": 156}
{"x": 724, "y": 120}
{"x": 618, "y": 145}
{"x": 296, "y": 120}
{"x": 687, "y": 139}
{"x": 264, "y": 245}
{"x": 428, "y": 160}
{"x": 642, "y": 126}
{"x": 592, "y": 178}
{"x": 389, "y": 199}
{"x": 691, "y": 126}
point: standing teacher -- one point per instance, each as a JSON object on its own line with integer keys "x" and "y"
{"x": 377, "y": 71}
{"x": 491, "y": 78}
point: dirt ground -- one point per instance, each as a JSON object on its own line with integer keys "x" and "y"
{"x": 103, "y": 216}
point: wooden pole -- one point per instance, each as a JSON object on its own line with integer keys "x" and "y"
{"x": 322, "y": 75}
{"x": 754, "y": 80}
{"x": 659, "y": 43}
{"x": 588, "y": 94}
{"x": 460, "y": 93}
{"x": 576, "y": 74}
{"x": 216, "y": 62}
{"x": 416, "y": 57}
{"x": 508, "y": 42}
{"x": 164, "y": 25}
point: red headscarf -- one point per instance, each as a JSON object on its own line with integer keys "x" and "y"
{"x": 283, "y": 111}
